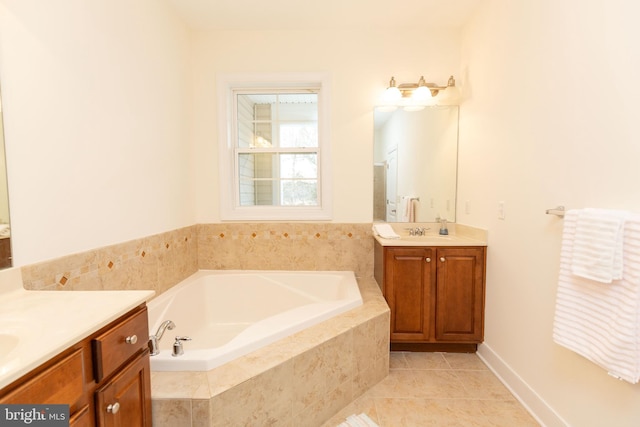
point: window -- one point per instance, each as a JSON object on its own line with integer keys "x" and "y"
{"x": 274, "y": 154}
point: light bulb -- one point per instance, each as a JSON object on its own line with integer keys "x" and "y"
{"x": 448, "y": 96}
{"x": 392, "y": 95}
{"x": 421, "y": 94}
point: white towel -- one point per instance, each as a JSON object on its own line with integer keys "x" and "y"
{"x": 408, "y": 208}
{"x": 601, "y": 322}
{"x": 361, "y": 420}
{"x": 385, "y": 231}
{"x": 597, "y": 246}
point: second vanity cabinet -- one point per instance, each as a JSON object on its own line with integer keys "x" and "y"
{"x": 105, "y": 378}
{"x": 436, "y": 295}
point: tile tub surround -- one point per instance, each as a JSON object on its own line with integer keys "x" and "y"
{"x": 160, "y": 261}
{"x": 286, "y": 246}
{"x": 350, "y": 351}
{"x": 308, "y": 376}
{"x": 155, "y": 262}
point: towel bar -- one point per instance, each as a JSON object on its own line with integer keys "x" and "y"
{"x": 559, "y": 211}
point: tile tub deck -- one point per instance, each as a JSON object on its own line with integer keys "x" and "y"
{"x": 309, "y": 376}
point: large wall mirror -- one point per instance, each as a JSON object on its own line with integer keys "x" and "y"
{"x": 415, "y": 164}
{"x": 5, "y": 228}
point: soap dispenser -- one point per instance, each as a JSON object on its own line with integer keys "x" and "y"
{"x": 443, "y": 227}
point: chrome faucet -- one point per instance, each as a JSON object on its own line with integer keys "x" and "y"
{"x": 177, "y": 346}
{"x": 153, "y": 339}
{"x": 418, "y": 231}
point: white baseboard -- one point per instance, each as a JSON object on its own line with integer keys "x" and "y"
{"x": 536, "y": 406}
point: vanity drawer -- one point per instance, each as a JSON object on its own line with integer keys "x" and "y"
{"x": 119, "y": 344}
{"x": 60, "y": 383}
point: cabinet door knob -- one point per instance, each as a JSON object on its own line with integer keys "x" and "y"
{"x": 131, "y": 340}
{"x": 442, "y": 259}
{"x": 113, "y": 408}
{"x": 427, "y": 259}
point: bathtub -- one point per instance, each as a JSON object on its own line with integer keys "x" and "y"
{"x": 228, "y": 313}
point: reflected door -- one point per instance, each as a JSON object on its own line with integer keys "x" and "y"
{"x": 391, "y": 180}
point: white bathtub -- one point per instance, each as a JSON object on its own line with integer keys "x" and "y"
{"x": 229, "y": 313}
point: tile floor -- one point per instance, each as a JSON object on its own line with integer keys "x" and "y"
{"x": 438, "y": 389}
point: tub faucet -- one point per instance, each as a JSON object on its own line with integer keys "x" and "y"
{"x": 177, "y": 346}
{"x": 153, "y": 339}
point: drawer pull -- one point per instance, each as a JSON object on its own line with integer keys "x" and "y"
{"x": 113, "y": 408}
{"x": 131, "y": 339}
{"x": 442, "y": 259}
{"x": 427, "y": 259}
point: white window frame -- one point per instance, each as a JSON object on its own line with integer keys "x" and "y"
{"x": 230, "y": 209}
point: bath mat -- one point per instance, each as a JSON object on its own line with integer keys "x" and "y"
{"x": 361, "y": 420}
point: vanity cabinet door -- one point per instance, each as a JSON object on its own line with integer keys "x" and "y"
{"x": 436, "y": 295}
{"x": 459, "y": 313}
{"x": 125, "y": 400}
{"x": 408, "y": 288}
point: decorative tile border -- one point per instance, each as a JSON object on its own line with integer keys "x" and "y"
{"x": 155, "y": 262}
{"x": 160, "y": 261}
{"x": 286, "y": 246}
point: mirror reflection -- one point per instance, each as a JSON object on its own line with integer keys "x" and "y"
{"x": 415, "y": 164}
{"x": 5, "y": 230}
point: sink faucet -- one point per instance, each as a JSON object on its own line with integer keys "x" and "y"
{"x": 153, "y": 339}
{"x": 418, "y": 231}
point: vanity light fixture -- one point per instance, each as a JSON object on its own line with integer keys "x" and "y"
{"x": 416, "y": 96}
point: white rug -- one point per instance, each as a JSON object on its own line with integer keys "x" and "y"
{"x": 361, "y": 420}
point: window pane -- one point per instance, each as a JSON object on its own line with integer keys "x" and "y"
{"x": 299, "y": 192}
{"x": 278, "y": 179}
{"x": 299, "y": 134}
{"x": 258, "y": 183}
{"x": 299, "y": 165}
{"x": 277, "y": 120}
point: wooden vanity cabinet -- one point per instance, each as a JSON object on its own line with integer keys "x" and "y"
{"x": 436, "y": 295}
{"x": 129, "y": 390}
{"x": 105, "y": 378}
{"x": 122, "y": 373}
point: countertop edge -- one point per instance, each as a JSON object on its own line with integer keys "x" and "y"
{"x": 125, "y": 302}
{"x": 457, "y": 241}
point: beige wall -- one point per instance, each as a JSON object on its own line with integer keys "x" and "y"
{"x": 96, "y": 105}
{"x": 551, "y": 118}
{"x": 106, "y": 145}
{"x": 360, "y": 64}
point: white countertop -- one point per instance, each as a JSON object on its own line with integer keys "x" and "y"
{"x": 459, "y": 235}
{"x": 37, "y": 325}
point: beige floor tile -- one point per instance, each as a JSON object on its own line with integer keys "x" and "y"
{"x": 417, "y": 360}
{"x": 483, "y": 385}
{"x": 438, "y": 384}
{"x": 428, "y": 412}
{"x": 397, "y": 360}
{"x": 399, "y": 383}
{"x": 464, "y": 361}
{"x": 438, "y": 389}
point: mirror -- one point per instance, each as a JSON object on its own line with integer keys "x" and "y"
{"x": 415, "y": 164}
{"x": 5, "y": 230}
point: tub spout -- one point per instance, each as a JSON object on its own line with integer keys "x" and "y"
{"x": 153, "y": 339}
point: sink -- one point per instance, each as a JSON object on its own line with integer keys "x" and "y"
{"x": 8, "y": 343}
